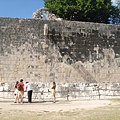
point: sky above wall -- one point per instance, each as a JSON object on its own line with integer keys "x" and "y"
{"x": 20, "y": 8}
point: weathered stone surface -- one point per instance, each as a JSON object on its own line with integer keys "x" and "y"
{"x": 71, "y": 52}
{"x": 65, "y": 90}
{"x": 44, "y": 13}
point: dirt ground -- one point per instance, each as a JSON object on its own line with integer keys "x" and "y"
{"x": 58, "y": 106}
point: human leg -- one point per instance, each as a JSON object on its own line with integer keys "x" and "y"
{"x": 54, "y": 98}
{"x": 20, "y": 96}
{"x": 54, "y": 95}
{"x": 30, "y": 96}
{"x": 15, "y": 98}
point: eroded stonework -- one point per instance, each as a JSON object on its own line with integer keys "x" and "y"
{"x": 70, "y": 52}
{"x": 44, "y": 13}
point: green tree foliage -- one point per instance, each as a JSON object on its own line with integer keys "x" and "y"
{"x": 83, "y": 10}
{"x": 116, "y": 20}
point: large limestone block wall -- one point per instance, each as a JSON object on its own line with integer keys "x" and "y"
{"x": 26, "y": 54}
{"x": 70, "y": 52}
{"x": 92, "y": 49}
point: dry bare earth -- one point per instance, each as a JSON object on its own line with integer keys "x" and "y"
{"x": 62, "y": 110}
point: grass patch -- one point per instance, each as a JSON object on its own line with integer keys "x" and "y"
{"x": 111, "y": 112}
{"x": 116, "y": 100}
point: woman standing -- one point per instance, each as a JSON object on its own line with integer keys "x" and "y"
{"x": 54, "y": 92}
{"x": 16, "y": 92}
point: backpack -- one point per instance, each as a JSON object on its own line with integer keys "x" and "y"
{"x": 19, "y": 87}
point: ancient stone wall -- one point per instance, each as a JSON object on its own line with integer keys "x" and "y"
{"x": 69, "y": 52}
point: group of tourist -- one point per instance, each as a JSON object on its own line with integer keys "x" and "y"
{"x": 20, "y": 88}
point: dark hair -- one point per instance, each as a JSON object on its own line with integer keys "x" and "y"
{"x": 54, "y": 83}
{"x": 21, "y": 80}
{"x": 16, "y": 84}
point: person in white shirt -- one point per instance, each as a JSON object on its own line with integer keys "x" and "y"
{"x": 29, "y": 90}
